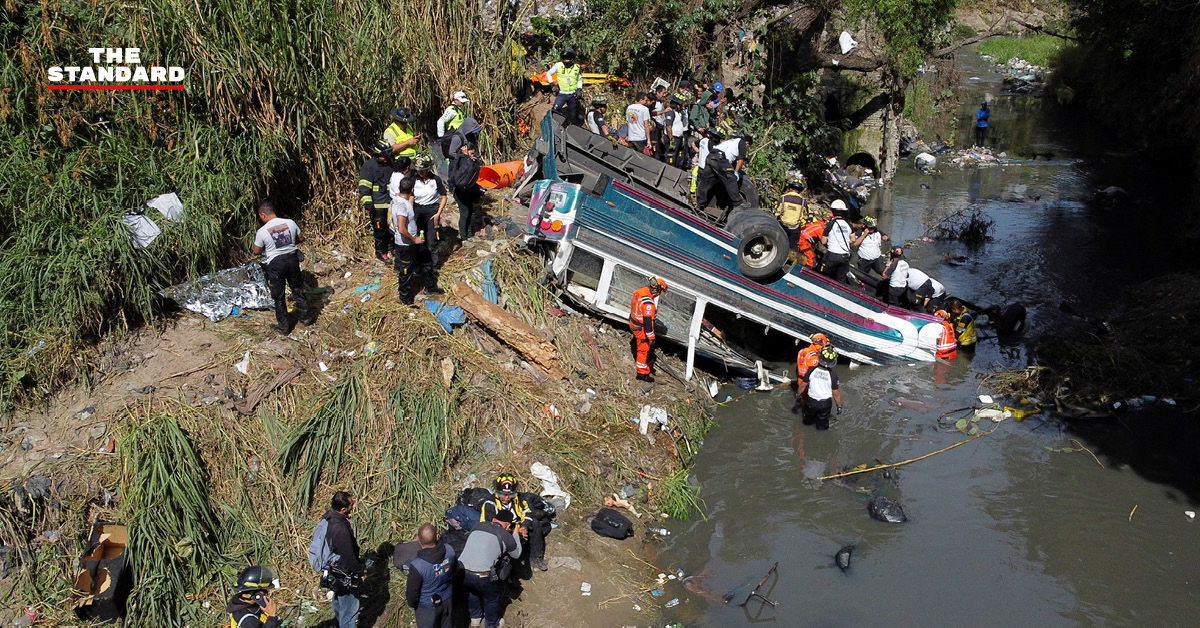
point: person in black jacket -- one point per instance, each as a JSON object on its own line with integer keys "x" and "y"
{"x": 250, "y": 606}
{"x": 464, "y": 176}
{"x": 431, "y": 580}
{"x": 373, "y": 195}
{"x": 340, "y": 537}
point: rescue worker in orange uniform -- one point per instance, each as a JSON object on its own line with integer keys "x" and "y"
{"x": 947, "y": 346}
{"x": 641, "y": 323}
{"x": 808, "y": 356}
{"x": 810, "y": 235}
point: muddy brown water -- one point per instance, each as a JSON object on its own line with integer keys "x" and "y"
{"x": 1001, "y": 531}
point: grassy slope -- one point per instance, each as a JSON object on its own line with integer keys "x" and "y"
{"x": 280, "y": 97}
{"x": 1036, "y": 49}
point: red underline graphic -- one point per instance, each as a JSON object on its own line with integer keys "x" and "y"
{"x": 116, "y": 87}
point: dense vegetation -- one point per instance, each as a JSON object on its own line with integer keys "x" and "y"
{"x": 280, "y": 97}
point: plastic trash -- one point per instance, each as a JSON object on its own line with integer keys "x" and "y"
{"x": 366, "y": 297}
{"x": 324, "y": 367}
{"x": 447, "y": 315}
{"x": 38, "y": 347}
{"x": 252, "y": 469}
{"x": 585, "y": 589}
{"x": 367, "y": 286}
{"x": 550, "y": 483}
{"x": 371, "y": 348}
{"x": 712, "y": 389}
{"x": 1190, "y": 514}
{"x": 658, "y": 531}
{"x": 243, "y": 367}
{"x": 656, "y": 592}
{"x": 673, "y": 603}
{"x": 925, "y": 161}
{"x": 847, "y": 42}
{"x": 985, "y": 399}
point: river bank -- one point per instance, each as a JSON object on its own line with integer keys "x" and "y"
{"x": 384, "y": 403}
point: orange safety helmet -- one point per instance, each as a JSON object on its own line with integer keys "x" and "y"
{"x": 657, "y": 284}
{"x": 820, "y": 338}
{"x": 942, "y": 313}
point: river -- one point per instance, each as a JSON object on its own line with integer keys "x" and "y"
{"x": 1005, "y": 530}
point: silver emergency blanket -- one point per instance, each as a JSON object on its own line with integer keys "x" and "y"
{"x": 215, "y": 295}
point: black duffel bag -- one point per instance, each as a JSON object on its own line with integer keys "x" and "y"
{"x": 610, "y": 523}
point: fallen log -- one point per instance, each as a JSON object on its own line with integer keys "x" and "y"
{"x": 247, "y": 405}
{"x": 520, "y": 337}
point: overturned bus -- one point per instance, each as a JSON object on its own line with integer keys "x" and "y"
{"x": 607, "y": 217}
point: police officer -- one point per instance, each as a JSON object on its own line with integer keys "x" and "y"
{"x": 819, "y": 384}
{"x": 642, "y": 313}
{"x": 431, "y": 580}
{"x": 373, "y": 181}
{"x": 568, "y": 78}
{"x": 399, "y": 134}
{"x": 250, "y": 606}
{"x": 836, "y": 239}
{"x": 451, "y": 119}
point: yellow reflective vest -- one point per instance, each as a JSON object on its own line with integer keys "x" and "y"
{"x": 791, "y": 210}
{"x": 396, "y": 134}
{"x": 569, "y": 79}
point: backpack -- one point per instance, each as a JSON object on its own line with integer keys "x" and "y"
{"x": 466, "y": 516}
{"x": 319, "y": 553}
{"x": 610, "y": 523}
{"x": 475, "y": 498}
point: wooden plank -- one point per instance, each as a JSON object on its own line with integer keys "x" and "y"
{"x": 520, "y": 337}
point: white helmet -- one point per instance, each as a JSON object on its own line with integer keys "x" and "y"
{"x": 838, "y": 205}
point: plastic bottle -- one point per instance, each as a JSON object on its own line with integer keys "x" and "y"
{"x": 658, "y": 531}
{"x": 674, "y": 602}
{"x": 252, "y": 472}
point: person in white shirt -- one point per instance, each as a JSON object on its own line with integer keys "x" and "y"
{"x": 277, "y": 240}
{"x": 595, "y": 118}
{"x": 723, "y": 164}
{"x": 675, "y": 124}
{"x": 924, "y": 287}
{"x": 637, "y": 117}
{"x": 451, "y": 119}
{"x": 896, "y": 275}
{"x": 870, "y": 247}
{"x": 404, "y": 228}
{"x": 429, "y": 201}
{"x": 836, "y": 238}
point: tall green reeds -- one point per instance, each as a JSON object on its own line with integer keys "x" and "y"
{"x": 280, "y": 99}
{"x": 315, "y": 448}
{"x": 174, "y": 529}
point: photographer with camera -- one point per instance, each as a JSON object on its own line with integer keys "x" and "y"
{"x": 250, "y": 606}
{"x": 346, "y": 572}
{"x": 486, "y": 565}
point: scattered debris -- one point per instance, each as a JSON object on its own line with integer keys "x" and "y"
{"x": 887, "y": 510}
{"x": 842, "y": 558}
{"x": 262, "y": 391}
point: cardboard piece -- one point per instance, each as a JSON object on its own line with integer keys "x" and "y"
{"x": 103, "y": 581}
